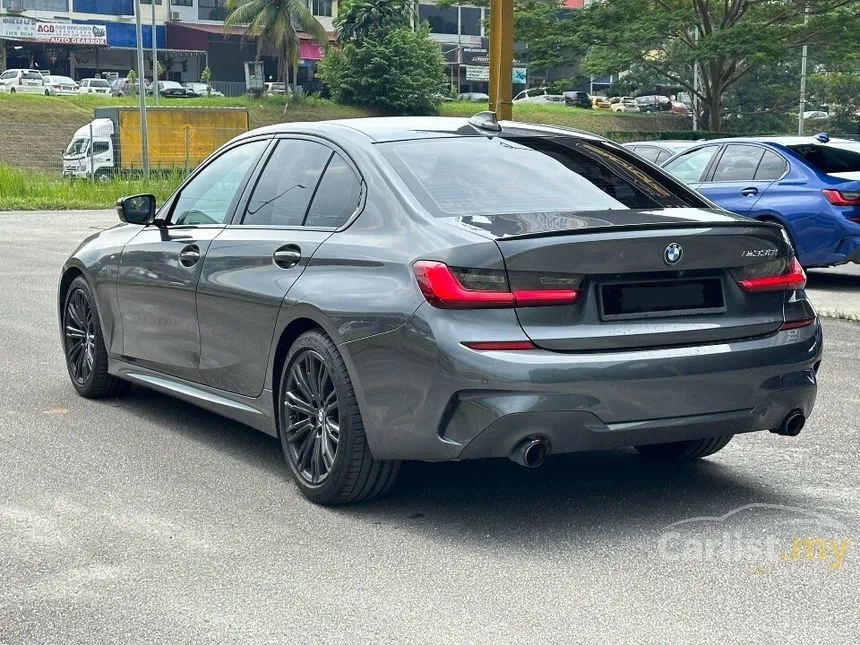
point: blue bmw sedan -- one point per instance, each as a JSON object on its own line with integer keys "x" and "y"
{"x": 811, "y": 185}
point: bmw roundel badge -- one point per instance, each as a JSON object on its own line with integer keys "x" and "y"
{"x": 673, "y": 253}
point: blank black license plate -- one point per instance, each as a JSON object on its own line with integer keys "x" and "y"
{"x": 656, "y": 298}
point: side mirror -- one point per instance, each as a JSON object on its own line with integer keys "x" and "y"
{"x": 137, "y": 209}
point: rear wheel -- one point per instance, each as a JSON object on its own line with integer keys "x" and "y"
{"x": 321, "y": 430}
{"x": 685, "y": 450}
{"x": 12, "y": 91}
{"x": 86, "y": 356}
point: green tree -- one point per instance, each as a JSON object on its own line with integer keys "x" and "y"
{"x": 398, "y": 71}
{"x": 358, "y": 19}
{"x": 729, "y": 40}
{"x": 277, "y": 22}
{"x": 206, "y": 79}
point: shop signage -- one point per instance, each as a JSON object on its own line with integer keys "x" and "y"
{"x": 55, "y": 33}
{"x": 480, "y": 73}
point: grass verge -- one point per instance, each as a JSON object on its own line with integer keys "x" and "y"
{"x": 23, "y": 190}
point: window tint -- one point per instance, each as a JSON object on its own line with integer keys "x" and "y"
{"x": 662, "y": 156}
{"x": 738, "y": 163}
{"x": 100, "y": 147}
{"x": 835, "y": 157}
{"x": 33, "y": 76}
{"x": 648, "y": 152}
{"x": 772, "y": 166}
{"x": 7, "y": 75}
{"x": 481, "y": 177}
{"x": 690, "y": 166}
{"x": 337, "y": 196}
{"x": 287, "y": 184}
{"x": 207, "y": 198}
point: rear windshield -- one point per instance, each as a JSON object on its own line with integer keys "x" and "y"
{"x": 33, "y": 76}
{"x": 830, "y": 158}
{"x": 98, "y": 82}
{"x": 481, "y": 176}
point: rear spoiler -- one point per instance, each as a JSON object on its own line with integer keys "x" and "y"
{"x": 656, "y": 226}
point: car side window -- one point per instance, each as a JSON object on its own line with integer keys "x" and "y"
{"x": 287, "y": 184}
{"x": 771, "y": 167}
{"x": 690, "y": 166}
{"x": 337, "y": 196}
{"x": 100, "y": 147}
{"x": 648, "y": 152}
{"x": 738, "y": 163}
{"x": 209, "y": 196}
{"x": 5, "y": 76}
{"x": 662, "y": 156}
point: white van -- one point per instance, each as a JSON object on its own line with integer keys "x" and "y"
{"x": 22, "y": 80}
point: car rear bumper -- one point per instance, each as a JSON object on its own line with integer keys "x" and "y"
{"x": 425, "y": 396}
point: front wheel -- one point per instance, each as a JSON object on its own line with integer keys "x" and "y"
{"x": 321, "y": 430}
{"x": 83, "y": 345}
{"x": 685, "y": 450}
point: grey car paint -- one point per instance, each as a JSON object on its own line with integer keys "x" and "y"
{"x": 422, "y": 394}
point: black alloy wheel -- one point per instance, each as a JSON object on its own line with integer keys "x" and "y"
{"x": 313, "y": 417}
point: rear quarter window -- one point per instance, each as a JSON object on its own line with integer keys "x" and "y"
{"x": 842, "y": 157}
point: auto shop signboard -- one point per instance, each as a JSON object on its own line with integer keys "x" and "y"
{"x": 56, "y": 33}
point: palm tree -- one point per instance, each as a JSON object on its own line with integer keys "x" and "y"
{"x": 277, "y": 22}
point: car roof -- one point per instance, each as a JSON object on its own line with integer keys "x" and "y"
{"x": 777, "y": 139}
{"x": 403, "y": 128}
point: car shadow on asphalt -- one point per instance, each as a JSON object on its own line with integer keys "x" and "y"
{"x": 585, "y": 495}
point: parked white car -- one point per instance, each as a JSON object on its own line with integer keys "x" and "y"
{"x": 623, "y": 104}
{"x": 60, "y": 86}
{"x": 538, "y": 95}
{"x": 25, "y": 81}
{"x": 94, "y": 86}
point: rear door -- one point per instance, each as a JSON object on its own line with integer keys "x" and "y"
{"x": 306, "y": 190}
{"x": 159, "y": 268}
{"x": 32, "y": 82}
{"x": 733, "y": 183}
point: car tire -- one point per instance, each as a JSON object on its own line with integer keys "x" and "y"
{"x": 11, "y": 90}
{"x": 83, "y": 345}
{"x": 685, "y": 450}
{"x": 318, "y": 411}
{"x": 47, "y": 93}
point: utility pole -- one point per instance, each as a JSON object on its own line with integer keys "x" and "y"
{"x": 154, "y": 57}
{"x": 141, "y": 92}
{"x": 694, "y": 100}
{"x": 501, "y": 57}
{"x": 803, "y": 56}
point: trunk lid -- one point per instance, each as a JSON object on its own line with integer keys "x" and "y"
{"x": 646, "y": 279}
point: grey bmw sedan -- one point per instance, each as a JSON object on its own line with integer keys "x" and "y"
{"x": 378, "y": 290}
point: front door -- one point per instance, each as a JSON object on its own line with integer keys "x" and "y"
{"x": 160, "y": 267}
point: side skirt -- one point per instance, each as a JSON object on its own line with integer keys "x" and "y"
{"x": 255, "y": 412}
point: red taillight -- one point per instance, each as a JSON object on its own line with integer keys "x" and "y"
{"x": 793, "y": 278}
{"x": 842, "y": 197}
{"x": 501, "y": 345}
{"x": 797, "y": 324}
{"x": 442, "y": 288}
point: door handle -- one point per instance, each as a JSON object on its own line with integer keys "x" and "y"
{"x": 749, "y": 192}
{"x": 288, "y": 256}
{"x": 189, "y": 256}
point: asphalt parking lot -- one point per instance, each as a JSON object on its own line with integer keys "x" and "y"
{"x": 144, "y": 519}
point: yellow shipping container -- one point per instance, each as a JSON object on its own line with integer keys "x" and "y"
{"x": 179, "y": 137}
